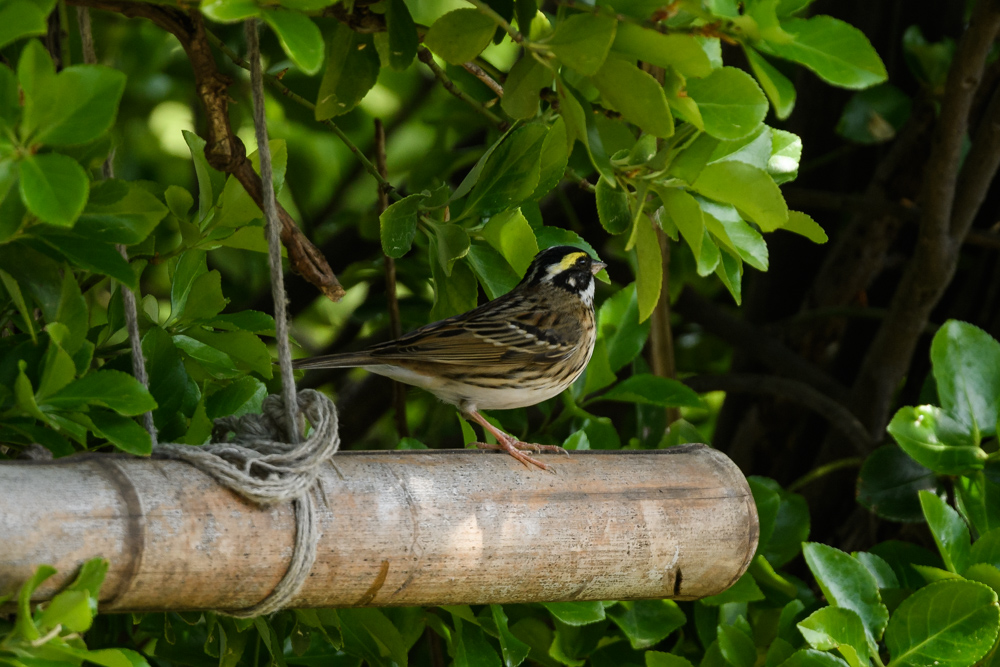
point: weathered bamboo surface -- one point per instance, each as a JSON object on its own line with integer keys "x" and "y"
{"x": 399, "y": 528}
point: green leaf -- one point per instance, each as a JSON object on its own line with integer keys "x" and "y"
{"x": 802, "y": 224}
{"x": 571, "y": 110}
{"x": 889, "y": 481}
{"x": 837, "y": 628}
{"x": 848, "y": 584}
{"x": 16, "y": 296}
{"x": 451, "y": 243}
{"x": 784, "y": 520}
{"x": 77, "y": 107}
{"x": 97, "y": 256}
{"x": 736, "y": 646}
{"x": 613, "y": 207}
{"x": 460, "y": 35}
{"x": 511, "y": 235}
{"x": 682, "y": 52}
{"x": 521, "y": 89}
{"x": 236, "y": 208}
{"x": 166, "y": 371}
{"x": 966, "y": 364}
{"x": 660, "y": 659}
{"x": 686, "y": 214}
{"x": 513, "y": 649}
{"x": 111, "y": 389}
{"x": 352, "y": 67}
{"x": 874, "y": 116}
{"x": 210, "y": 181}
{"x": 649, "y": 274}
{"x": 190, "y": 266}
{"x": 494, "y": 273}
{"x": 619, "y": 325}
{"x": 242, "y": 396}
{"x": 813, "y": 658}
{"x": 978, "y": 498}
{"x": 510, "y": 174}
{"x": 24, "y": 626}
{"x": 730, "y": 101}
{"x": 836, "y": 51}
{"x": 54, "y": 187}
{"x": 120, "y": 212}
{"x": 948, "y": 623}
{"x": 19, "y": 19}
{"x": 402, "y": 32}
{"x": 229, "y": 11}
{"x": 455, "y": 294}
{"x": 370, "y": 635}
{"x": 471, "y": 647}
{"x": 647, "y": 389}
{"x": 123, "y": 432}
{"x": 554, "y": 159}
{"x": 744, "y": 590}
{"x": 776, "y": 85}
{"x": 724, "y": 223}
{"x": 247, "y": 349}
{"x": 786, "y": 151}
{"x": 582, "y": 41}
{"x": 880, "y": 569}
{"x": 398, "y": 225}
{"x": 646, "y": 623}
{"x": 299, "y": 37}
{"x": 929, "y": 435}
{"x": 636, "y": 94}
{"x": 950, "y": 532}
{"x": 747, "y": 188}
{"x": 205, "y": 300}
{"x": 576, "y": 613}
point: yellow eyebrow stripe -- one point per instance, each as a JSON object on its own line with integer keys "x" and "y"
{"x": 569, "y": 260}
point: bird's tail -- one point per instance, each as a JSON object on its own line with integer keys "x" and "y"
{"x": 342, "y": 360}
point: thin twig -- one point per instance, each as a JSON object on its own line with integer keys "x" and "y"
{"x": 499, "y": 20}
{"x": 398, "y": 390}
{"x": 478, "y": 72}
{"x": 449, "y": 85}
{"x": 661, "y": 337}
{"x": 824, "y": 470}
{"x": 276, "y": 83}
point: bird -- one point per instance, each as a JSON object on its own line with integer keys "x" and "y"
{"x": 519, "y": 349}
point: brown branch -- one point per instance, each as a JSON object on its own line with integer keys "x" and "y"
{"x": 661, "y": 337}
{"x": 794, "y": 391}
{"x": 938, "y": 244}
{"x": 398, "y": 390}
{"x": 427, "y": 58}
{"x": 224, "y": 150}
{"x": 478, "y": 72}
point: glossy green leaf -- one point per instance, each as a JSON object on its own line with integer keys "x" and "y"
{"x": 97, "y": 256}
{"x": 776, "y": 85}
{"x": 736, "y": 647}
{"x": 521, "y": 89}
{"x": 836, "y": 51}
{"x": 848, "y": 584}
{"x": 229, "y": 11}
{"x": 889, "y": 482}
{"x": 948, "y": 623}
{"x": 78, "y": 106}
{"x": 786, "y": 152}
{"x": 647, "y": 389}
{"x": 725, "y": 224}
{"x": 471, "y": 647}
{"x": 495, "y": 274}
{"x": 744, "y": 590}
{"x": 582, "y": 41}
{"x": 247, "y": 350}
{"x": 123, "y": 432}
{"x": 813, "y": 658}
{"x": 573, "y": 114}
{"x": 17, "y": 297}
{"x": 576, "y": 613}
{"x": 111, "y": 389}
{"x": 649, "y": 275}
{"x": 513, "y": 650}
{"x": 511, "y": 173}
{"x": 880, "y": 569}
{"x": 236, "y": 207}
{"x": 837, "y": 628}
{"x": 747, "y": 188}
{"x": 352, "y": 67}
{"x": 54, "y": 187}
{"x": 786, "y": 521}
{"x": 661, "y": 659}
{"x": 299, "y": 37}
{"x": 949, "y": 530}
{"x": 966, "y": 364}
{"x": 460, "y": 35}
{"x": 511, "y": 235}
{"x": 730, "y": 101}
{"x": 636, "y": 94}
{"x": 613, "y": 207}
{"x": 554, "y": 159}
{"x": 370, "y": 635}
{"x": 452, "y": 294}
{"x": 619, "y": 325}
{"x": 934, "y": 439}
{"x": 978, "y": 498}
{"x": 681, "y": 52}
{"x": 119, "y": 212}
{"x": 685, "y": 212}
{"x": 402, "y": 32}
{"x": 20, "y": 18}
{"x": 646, "y": 623}
{"x": 398, "y": 225}
{"x": 802, "y": 224}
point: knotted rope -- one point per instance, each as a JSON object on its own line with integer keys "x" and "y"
{"x": 265, "y": 460}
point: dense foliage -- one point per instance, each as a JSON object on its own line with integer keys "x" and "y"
{"x": 633, "y": 129}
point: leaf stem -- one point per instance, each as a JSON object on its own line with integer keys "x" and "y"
{"x": 824, "y": 470}
{"x": 499, "y": 20}
{"x": 295, "y": 97}
{"x": 427, "y": 58}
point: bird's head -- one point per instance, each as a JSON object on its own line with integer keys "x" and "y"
{"x": 566, "y": 267}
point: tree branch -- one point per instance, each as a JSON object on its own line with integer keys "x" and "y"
{"x": 224, "y": 150}
{"x": 428, "y": 59}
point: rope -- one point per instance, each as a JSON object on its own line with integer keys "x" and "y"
{"x": 248, "y": 454}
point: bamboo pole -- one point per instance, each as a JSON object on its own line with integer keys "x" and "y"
{"x": 398, "y": 528}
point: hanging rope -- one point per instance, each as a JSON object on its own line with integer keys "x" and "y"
{"x": 259, "y": 457}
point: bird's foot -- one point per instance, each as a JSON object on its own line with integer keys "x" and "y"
{"x": 516, "y": 448}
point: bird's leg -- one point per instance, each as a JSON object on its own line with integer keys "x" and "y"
{"x": 512, "y": 445}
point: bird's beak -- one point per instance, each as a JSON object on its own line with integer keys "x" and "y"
{"x": 595, "y": 267}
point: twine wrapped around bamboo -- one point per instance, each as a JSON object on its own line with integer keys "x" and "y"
{"x": 398, "y": 528}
